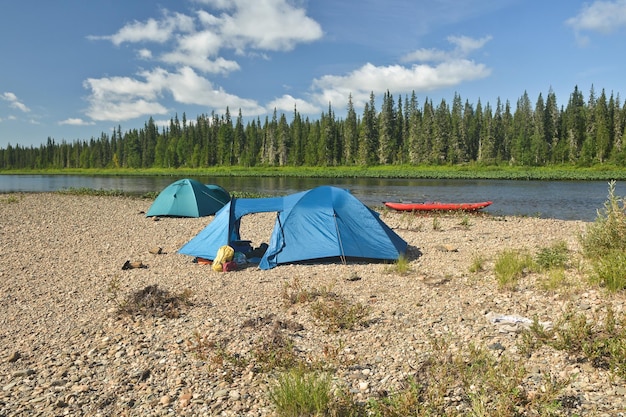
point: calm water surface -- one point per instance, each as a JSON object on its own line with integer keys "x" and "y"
{"x": 568, "y": 200}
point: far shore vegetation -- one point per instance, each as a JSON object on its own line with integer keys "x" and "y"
{"x": 604, "y": 172}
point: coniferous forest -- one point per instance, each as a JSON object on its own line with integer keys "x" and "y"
{"x": 583, "y": 132}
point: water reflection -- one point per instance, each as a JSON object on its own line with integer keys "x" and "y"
{"x": 569, "y": 200}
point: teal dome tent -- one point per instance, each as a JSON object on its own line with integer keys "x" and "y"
{"x": 189, "y": 198}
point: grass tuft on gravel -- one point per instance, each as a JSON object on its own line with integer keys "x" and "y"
{"x": 151, "y": 301}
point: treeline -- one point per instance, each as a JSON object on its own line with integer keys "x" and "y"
{"x": 584, "y": 132}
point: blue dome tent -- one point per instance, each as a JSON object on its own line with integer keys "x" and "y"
{"x": 321, "y": 223}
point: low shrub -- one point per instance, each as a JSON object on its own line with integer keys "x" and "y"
{"x": 474, "y": 382}
{"x": 608, "y": 231}
{"x": 295, "y": 293}
{"x": 149, "y": 301}
{"x": 601, "y": 342}
{"x": 339, "y": 313}
{"x": 554, "y": 256}
{"x": 609, "y": 270}
{"x": 604, "y": 243}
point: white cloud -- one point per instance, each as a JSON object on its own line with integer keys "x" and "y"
{"x": 187, "y": 87}
{"x": 217, "y": 66}
{"x": 14, "y": 102}
{"x": 464, "y": 46}
{"x": 449, "y": 68}
{"x": 125, "y": 98}
{"x": 121, "y": 98}
{"x": 287, "y": 103}
{"x": 273, "y": 25}
{"x": 76, "y": 122}
{"x": 242, "y": 26}
{"x": 152, "y": 30}
{"x": 144, "y": 54}
{"x": 600, "y": 16}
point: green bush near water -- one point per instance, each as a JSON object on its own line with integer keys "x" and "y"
{"x": 604, "y": 243}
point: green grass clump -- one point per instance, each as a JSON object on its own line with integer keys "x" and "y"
{"x": 600, "y": 341}
{"x": 275, "y": 351}
{"x": 510, "y": 266}
{"x": 339, "y": 313}
{"x": 402, "y": 265}
{"x": 478, "y": 264}
{"x": 474, "y": 382}
{"x": 465, "y": 221}
{"x": 295, "y": 293}
{"x": 336, "y": 311}
{"x": 555, "y": 279}
{"x": 299, "y": 392}
{"x": 609, "y": 270}
{"x": 604, "y": 243}
{"x": 554, "y": 256}
{"x": 11, "y": 199}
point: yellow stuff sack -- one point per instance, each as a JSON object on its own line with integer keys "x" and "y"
{"x": 224, "y": 254}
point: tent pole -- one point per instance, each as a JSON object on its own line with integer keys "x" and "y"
{"x": 343, "y": 256}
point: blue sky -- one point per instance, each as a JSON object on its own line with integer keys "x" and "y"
{"x": 72, "y": 69}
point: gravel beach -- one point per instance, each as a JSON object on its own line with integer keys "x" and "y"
{"x": 65, "y": 350}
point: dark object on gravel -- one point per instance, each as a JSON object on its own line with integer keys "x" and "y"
{"x": 133, "y": 265}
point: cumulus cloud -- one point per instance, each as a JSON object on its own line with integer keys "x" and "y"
{"x": 76, "y": 122}
{"x": 463, "y": 47}
{"x": 273, "y": 25}
{"x": 14, "y": 102}
{"x": 122, "y": 98}
{"x": 448, "y": 69}
{"x": 195, "y": 45}
{"x": 603, "y": 17}
{"x": 152, "y": 30}
{"x": 287, "y": 104}
{"x": 125, "y": 98}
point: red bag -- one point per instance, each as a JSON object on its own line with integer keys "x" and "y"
{"x": 229, "y": 266}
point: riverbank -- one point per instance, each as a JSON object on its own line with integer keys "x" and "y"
{"x": 565, "y": 172}
{"x": 65, "y": 350}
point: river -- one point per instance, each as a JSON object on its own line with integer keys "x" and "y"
{"x": 566, "y": 200}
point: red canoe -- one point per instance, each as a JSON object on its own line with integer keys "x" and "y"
{"x": 437, "y": 206}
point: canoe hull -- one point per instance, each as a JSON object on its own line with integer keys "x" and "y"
{"x": 436, "y": 206}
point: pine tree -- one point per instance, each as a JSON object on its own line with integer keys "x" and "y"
{"x": 575, "y": 124}
{"x": 441, "y": 134}
{"x": 538, "y": 145}
{"x": 368, "y": 136}
{"x": 551, "y": 124}
{"x": 350, "y": 135}
{"x": 386, "y": 131}
{"x": 523, "y": 130}
{"x": 284, "y": 140}
{"x": 239, "y": 140}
